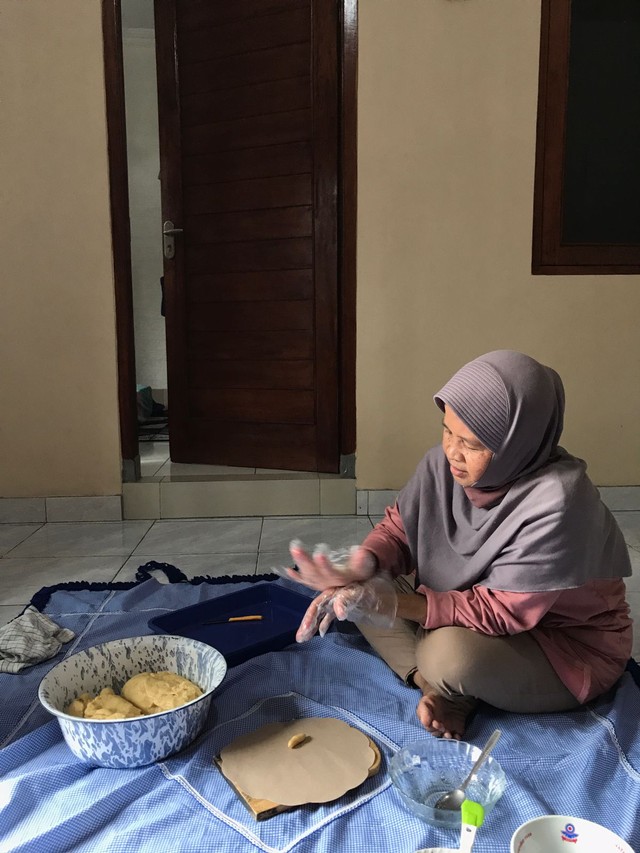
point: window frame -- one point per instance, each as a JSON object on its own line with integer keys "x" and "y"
{"x": 550, "y": 255}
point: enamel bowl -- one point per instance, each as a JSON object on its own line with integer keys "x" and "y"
{"x": 559, "y": 833}
{"x": 425, "y": 770}
{"x": 136, "y": 741}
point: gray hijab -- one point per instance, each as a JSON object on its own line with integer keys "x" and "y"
{"x": 533, "y": 521}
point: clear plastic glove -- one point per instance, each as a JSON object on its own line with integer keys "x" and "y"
{"x": 325, "y": 569}
{"x": 372, "y": 602}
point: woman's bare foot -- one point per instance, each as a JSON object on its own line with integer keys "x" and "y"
{"x": 440, "y": 716}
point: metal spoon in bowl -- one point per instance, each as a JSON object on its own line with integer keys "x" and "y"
{"x": 454, "y": 799}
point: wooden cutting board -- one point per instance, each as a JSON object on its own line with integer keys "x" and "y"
{"x": 261, "y": 809}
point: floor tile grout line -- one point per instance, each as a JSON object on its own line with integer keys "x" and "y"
{"x": 143, "y": 535}
{"x": 122, "y": 565}
{"x": 259, "y": 540}
{"x": 26, "y": 538}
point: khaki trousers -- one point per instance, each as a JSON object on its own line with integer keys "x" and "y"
{"x": 511, "y": 672}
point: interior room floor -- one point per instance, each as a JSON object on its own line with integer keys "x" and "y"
{"x": 156, "y": 464}
{"x": 171, "y": 490}
{"x": 37, "y": 555}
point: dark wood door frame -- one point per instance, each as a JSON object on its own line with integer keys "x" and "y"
{"x": 347, "y": 227}
{"x": 121, "y": 235}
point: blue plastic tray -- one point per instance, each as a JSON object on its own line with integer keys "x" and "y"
{"x": 280, "y": 608}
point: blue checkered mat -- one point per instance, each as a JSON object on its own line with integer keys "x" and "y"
{"x": 585, "y": 763}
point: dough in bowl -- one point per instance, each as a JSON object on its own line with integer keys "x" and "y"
{"x": 107, "y": 705}
{"x": 145, "y": 693}
{"x": 153, "y": 692}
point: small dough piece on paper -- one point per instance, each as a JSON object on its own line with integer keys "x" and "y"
{"x": 334, "y": 759}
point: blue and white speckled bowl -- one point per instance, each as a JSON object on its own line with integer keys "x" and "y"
{"x": 135, "y": 741}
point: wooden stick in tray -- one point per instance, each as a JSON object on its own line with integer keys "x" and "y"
{"x": 253, "y": 618}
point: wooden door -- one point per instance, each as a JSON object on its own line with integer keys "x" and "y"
{"x": 249, "y": 139}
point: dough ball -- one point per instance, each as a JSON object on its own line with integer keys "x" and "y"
{"x": 159, "y": 691}
{"x": 109, "y": 706}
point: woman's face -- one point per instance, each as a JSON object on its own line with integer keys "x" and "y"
{"x": 468, "y": 458}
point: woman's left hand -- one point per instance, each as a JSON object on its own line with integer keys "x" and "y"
{"x": 318, "y": 616}
{"x": 373, "y": 602}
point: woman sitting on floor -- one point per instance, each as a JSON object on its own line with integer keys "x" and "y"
{"x": 519, "y": 599}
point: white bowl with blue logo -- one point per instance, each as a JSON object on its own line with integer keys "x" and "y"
{"x": 135, "y": 741}
{"x": 560, "y": 833}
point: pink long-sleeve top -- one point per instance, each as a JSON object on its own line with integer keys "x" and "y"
{"x": 585, "y": 632}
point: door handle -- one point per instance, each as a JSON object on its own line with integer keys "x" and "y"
{"x": 168, "y": 239}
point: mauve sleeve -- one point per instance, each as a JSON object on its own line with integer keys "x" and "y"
{"x": 488, "y": 611}
{"x": 388, "y": 543}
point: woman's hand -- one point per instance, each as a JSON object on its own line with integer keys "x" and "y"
{"x": 322, "y": 570}
{"x": 372, "y": 602}
{"x": 318, "y": 616}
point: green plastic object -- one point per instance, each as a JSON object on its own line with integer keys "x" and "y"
{"x": 472, "y": 813}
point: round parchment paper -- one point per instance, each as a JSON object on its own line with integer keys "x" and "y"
{"x": 334, "y": 758}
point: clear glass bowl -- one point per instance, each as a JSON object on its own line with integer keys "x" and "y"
{"x": 424, "y": 770}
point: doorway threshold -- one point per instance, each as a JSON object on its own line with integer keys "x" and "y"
{"x": 237, "y": 492}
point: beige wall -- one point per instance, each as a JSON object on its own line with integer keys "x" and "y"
{"x": 446, "y": 136}
{"x": 447, "y": 111}
{"x": 59, "y": 415}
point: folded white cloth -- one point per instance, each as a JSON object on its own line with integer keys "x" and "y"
{"x": 29, "y": 639}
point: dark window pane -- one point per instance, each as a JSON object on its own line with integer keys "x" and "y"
{"x": 601, "y": 193}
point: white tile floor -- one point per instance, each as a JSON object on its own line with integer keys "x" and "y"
{"x": 37, "y": 555}
{"x": 174, "y": 490}
{"x": 155, "y": 464}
